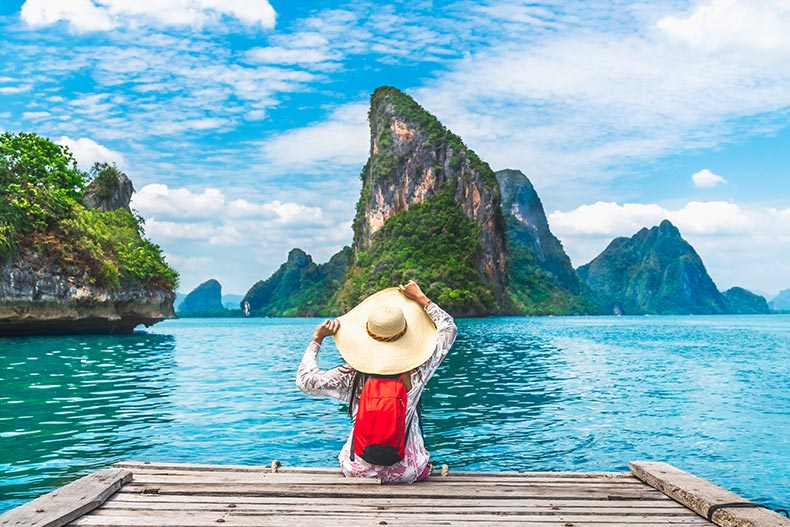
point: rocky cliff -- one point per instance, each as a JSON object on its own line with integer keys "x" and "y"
{"x": 66, "y": 267}
{"x": 418, "y": 170}
{"x": 743, "y": 302}
{"x": 205, "y": 298}
{"x": 300, "y": 287}
{"x": 38, "y": 296}
{"x": 654, "y": 272}
{"x": 432, "y": 211}
{"x": 541, "y": 278}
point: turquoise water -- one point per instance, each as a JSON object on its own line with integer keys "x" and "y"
{"x": 710, "y": 395}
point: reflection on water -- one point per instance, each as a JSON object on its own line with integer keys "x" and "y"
{"x": 708, "y": 394}
{"x": 68, "y": 404}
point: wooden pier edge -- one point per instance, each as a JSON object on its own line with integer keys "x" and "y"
{"x": 700, "y": 495}
{"x": 68, "y": 503}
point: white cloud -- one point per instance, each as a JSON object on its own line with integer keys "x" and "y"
{"x": 104, "y": 15}
{"x": 159, "y": 201}
{"x": 755, "y": 28}
{"x": 87, "y": 152}
{"x": 280, "y": 55}
{"x": 243, "y": 239}
{"x": 581, "y": 105}
{"x": 739, "y": 246}
{"x": 706, "y": 179}
{"x": 82, "y": 15}
{"x": 612, "y": 219}
{"x": 340, "y": 141}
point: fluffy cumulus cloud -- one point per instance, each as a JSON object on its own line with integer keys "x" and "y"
{"x": 739, "y": 245}
{"x": 706, "y": 179}
{"x": 238, "y": 241}
{"x": 104, "y": 15}
{"x": 758, "y": 28}
{"x": 87, "y": 152}
{"x": 341, "y": 141}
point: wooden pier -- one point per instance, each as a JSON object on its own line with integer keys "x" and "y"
{"x": 136, "y": 494}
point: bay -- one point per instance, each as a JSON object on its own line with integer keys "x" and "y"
{"x": 710, "y": 395}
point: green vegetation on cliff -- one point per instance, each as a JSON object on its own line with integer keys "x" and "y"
{"x": 741, "y": 301}
{"x": 541, "y": 279}
{"x": 300, "y": 287}
{"x": 433, "y": 243}
{"x": 657, "y": 272}
{"x": 41, "y": 211}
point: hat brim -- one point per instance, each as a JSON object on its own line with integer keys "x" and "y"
{"x": 368, "y": 355}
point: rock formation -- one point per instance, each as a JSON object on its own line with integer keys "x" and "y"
{"x": 654, "y": 272}
{"x": 414, "y": 160}
{"x": 541, "y": 278}
{"x": 38, "y": 296}
{"x": 742, "y": 302}
{"x": 110, "y": 189}
{"x": 299, "y": 288}
{"x": 205, "y": 298}
{"x": 781, "y": 302}
{"x": 432, "y": 211}
{"x": 73, "y": 261}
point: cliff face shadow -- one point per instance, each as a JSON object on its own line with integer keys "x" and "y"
{"x": 73, "y": 404}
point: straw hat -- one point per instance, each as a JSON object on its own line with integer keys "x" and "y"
{"x": 386, "y": 334}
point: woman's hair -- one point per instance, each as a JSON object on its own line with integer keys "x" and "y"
{"x": 357, "y": 383}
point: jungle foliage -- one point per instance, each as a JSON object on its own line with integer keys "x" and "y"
{"x": 41, "y": 211}
{"x": 432, "y": 242}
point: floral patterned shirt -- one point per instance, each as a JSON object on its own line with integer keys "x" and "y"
{"x": 338, "y": 384}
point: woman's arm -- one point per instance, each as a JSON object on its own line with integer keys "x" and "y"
{"x": 335, "y": 383}
{"x": 445, "y": 328}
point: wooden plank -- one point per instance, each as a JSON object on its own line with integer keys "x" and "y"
{"x": 60, "y": 506}
{"x": 145, "y": 465}
{"x": 221, "y": 478}
{"x": 311, "y": 479}
{"x": 148, "y": 476}
{"x": 341, "y": 507}
{"x": 406, "y": 491}
{"x": 700, "y": 495}
{"x": 191, "y": 518}
{"x": 384, "y": 501}
{"x": 138, "y": 466}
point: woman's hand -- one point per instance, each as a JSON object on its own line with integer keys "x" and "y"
{"x": 413, "y": 292}
{"x": 328, "y": 327}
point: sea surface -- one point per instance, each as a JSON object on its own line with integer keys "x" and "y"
{"x": 710, "y": 395}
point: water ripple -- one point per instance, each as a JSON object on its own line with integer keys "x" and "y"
{"x": 708, "y": 394}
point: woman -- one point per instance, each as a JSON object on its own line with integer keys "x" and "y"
{"x": 391, "y": 332}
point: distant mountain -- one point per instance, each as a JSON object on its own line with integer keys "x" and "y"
{"x": 300, "y": 287}
{"x": 540, "y": 275}
{"x": 654, "y": 272}
{"x": 205, "y": 298}
{"x": 232, "y": 301}
{"x": 179, "y": 300}
{"x": 743, "y": 302}
{"x": 781, "y": 302}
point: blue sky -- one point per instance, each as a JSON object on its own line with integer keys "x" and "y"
{"x": 243, "y": 123}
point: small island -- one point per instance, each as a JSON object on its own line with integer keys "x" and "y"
{"x": 73, "y": 256}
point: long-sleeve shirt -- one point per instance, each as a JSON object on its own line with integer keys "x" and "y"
{"x": 338, "y": 384}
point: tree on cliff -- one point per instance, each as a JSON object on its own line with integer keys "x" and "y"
{"x": 42, "y": 213}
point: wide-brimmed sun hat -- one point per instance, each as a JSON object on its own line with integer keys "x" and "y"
{"x": 386, "y": 334}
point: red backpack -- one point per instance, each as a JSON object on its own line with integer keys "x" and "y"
{"x": 380, "y": 428}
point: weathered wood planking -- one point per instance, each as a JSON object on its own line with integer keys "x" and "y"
{"x": 188, "y": 495}
{"x": 700, "y": 495}
{"x": 175, "y": 495}
{"x": 69, "y": 502}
